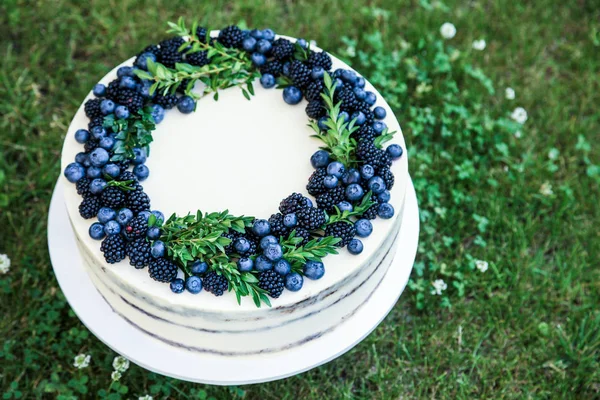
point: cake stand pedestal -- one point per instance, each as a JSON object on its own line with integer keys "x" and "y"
{"x": 153, "y": 355}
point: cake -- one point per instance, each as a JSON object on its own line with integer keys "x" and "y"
{"x": 307, "y": 253}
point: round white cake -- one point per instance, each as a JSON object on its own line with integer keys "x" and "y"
{"x": 243, "y": 156}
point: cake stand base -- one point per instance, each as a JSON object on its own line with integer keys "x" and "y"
{"x": 153, "y": 355}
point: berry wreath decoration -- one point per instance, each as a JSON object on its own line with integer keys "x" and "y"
{"x": 218, "y": 251}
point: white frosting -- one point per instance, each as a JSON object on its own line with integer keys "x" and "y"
{"x": 244, "y": 156}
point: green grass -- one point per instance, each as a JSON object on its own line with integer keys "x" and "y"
{"x": 529, "y": 327}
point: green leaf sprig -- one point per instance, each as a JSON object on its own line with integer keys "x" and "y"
{"x": 241, "y": 283}
{"x": 136, "y": 131}
{"x": 123, "y": 185}
{"x": 366, "y": 203}
{"x": 385, "y": 137}
{"x": 337, "y": 137}
{"x": 314, "y": 250}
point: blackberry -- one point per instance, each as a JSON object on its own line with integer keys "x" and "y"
{"x": 136, "y": 228}
{"x": 162, "y": 270}
{"x": 113, "y": 197}
{"x": 314, "y": 89}
{"x": 315, "y": 182}
{"x": 123, "y": 165}
{"x": 89, "y": 207}
{"x": 169, "y": 51}
{"x": 199, "y": 58}
{"x": 292, "y": 203}
{"x": 274, "y": 68}
{"x": 304, "y": 234}
{"x": 310, "y": 218}
{"x": 369, "y": 154}
{"x": 277, "y": 227}
{"x": 138, "y": 251}
{"x": 92, "y": 108}
{"x": 321, "y": 59}
{"x": 330, "y": 198}
{"x": 282, "y": 49}
{"x": 83, "y": 187}
{"x": 315, "y": 109}
{"x": 231, "y": 36}
{"x": 112, "y": 90}
{"x": 151, "y": 49}
{"x": 129, "y": 176}
{"x": 113, "y": 248}
{"x": 387, "y": 176}
{"x": 201, "y": 34}
{"x": 272, "y": 282}
{"x": 364, "y": 132}
{"x": 90, "y": 145}
{"x": 300, "y": 74}
{"x": 215, "y": 283}
{"x": 343, "y": 230}
{"x": 371, "y": 212}
{"x": 130, "y": 98}
{"x": 348, "y": 99}
{"x": 138, "y": 200}
{"x": 166, "y": 101}
{"x": 96, "y": 121}
{"x": 366, "y": 109}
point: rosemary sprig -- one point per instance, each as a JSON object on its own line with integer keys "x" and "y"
{"x": 358, "y": 211}
{"x": 131, "y": 133}
{"x": 314, "y": 250}
{"x": 337, "y": 137}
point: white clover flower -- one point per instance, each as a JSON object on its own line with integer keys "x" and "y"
{"x": 81, "y": 361}
{"x": 115, "y": 376}
{"x": 553, "y": 153}
{"x": 546, "y": 189}
{"x": 519, "y": 114}
{"x": 479, "y": 45}
{"x": 120, "y": 364}
{"x": 518, "y": 134}
{"x": 4, "y": 264}
{"x": 481, "y": 265}
{"x": 439, "y": 286}
{"x": 448, "y": 30}
{"x": 509, "y": 93}
{"x": 146, "y": 397}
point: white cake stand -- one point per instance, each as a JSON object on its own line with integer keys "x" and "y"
{"x": 154, "y": 355}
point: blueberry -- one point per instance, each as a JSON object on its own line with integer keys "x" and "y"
{"x": 124, "y": 216}
{"x": 199, "y": 267}
{"x": 122, "y": 112}
{"x": 330, "y": 181}
{"x": 292, "y": 95}
{"x": 139, "y": 156}
{"x": 290, "y": 220}
{"x": 351, "y": 176}
{"x": 344, "y": 116}
{"x": 370, "y": 98}
{"x": 107, "y": 106}
{"x": 82, "y": 135}
{"x": 98, "y": 132}
{"x": 112, "y": 228}
{"x": 142, "y": 61}
{"x": 158, "y": 249}
{"x": 336, "y": 169}
{"x": 379, "y": 112}
{"x": 367, "y": 172}
{"x": 338, "y": 84}
{"x": 256, "y": 34}
{"x": 99, "y": 157}
{"x": 317, "y": 73}
{"x": 127, "y": 82}
{"x": 99, "y": 90}
{"x": 153, "y": 233}
{"x": 282, "y": 267}
{"x": 241, "y": 245}
{"x": 193, "y": 284}
{"x": 97, "y": 231}
{"x": 376, "y": 185}
{"x": 314, "y": 270}
{"x": 267, "y": 81}
{"x": 354, "y": 192}
{"x": 319, "y": 159}
{"x": 379, "y": 127}
{"x": 286, "y": 68}
{"x": 322, "y": 123}
{"x": 385, "y": 210}
{"x": 158, "y": 113}
{"x": 186, "y": 105}
{"x": 267, "y": 240}
{"x": 94, "y": 172}
{"x": 141, "y": 172}
{"x": 106, "y": 214}
{"x": 144, "y": 88}
{"x": 262, "y": 263}
{"x": 263, "y": 46}
{"x": 309, "y": 202}
{"x": 360, "y": 93}
{"x": 268, "y": 34}
{"x": 384, "y": 196}
{"x": 363, "y": 227}
{"x": 124, "y": 71}
{"x": 349, "y": 76}
{"x": 345, "y": 206}
{"x": 107, "y": 143}
{"x": 261, "y": 227}
{"x": 97, "y": 186}
{"x": 177, "y": 285}
{"x": 358, "y": 117}
{"x": 394, "y": 151}
{"x": 160, "y": 217}
{"x": 273, "y": 252}
{"x": 293, "y": 282}
{"x": 146, "y": 214}
{"x": 360, "y": 82}
{"x": 258, "y": 59}
{"x": 355, "y": 246}
{"x": 245, "y": 264}
{"x": 81, "y": 158}
{"x": 302, "y": 43}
